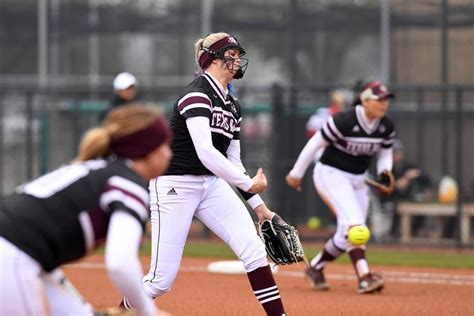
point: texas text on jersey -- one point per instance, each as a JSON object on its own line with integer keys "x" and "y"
{"x": 353, "y": 141}
{"x": 202, "y": 97}
{"x": 60, "y": 213}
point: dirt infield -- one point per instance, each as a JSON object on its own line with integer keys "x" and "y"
{"x": 413, "y": 291}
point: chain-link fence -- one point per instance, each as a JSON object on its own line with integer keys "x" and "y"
{"x": 41, "y": 130}
{"x": 71, "y": 42}
{"x": 59, "y": 58}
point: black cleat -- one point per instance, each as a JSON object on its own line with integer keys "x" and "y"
{"x": 370, "y": 283}
{"x": 317, "y": 279}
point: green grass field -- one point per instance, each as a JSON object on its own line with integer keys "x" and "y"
{"x": 377, "y": 256}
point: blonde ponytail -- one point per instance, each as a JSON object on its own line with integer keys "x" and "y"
{"x": 120, "y": 122}
{"x": 198, "y": 49}
{"x": 94, "y": 144}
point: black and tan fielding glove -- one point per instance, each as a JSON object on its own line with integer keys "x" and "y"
{"x": 385, "y": 183}
{"x": 281, "y": 240}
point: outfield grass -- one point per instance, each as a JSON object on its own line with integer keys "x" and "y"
{"x": 377, "y": 256}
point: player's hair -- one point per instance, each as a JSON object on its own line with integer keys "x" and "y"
{"x": 120, "y": 122}
{"x": 207, "y": 42}
{"x": 357, "y": 89}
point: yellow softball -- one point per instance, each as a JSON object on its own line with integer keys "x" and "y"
{"x": 358, "y": 235}
{"x": 314, "y": 222}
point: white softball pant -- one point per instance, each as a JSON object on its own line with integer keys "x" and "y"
{"x": 347, "y": 196}
{"x": 174, "y": 202}
{"x": 25, "y": 289}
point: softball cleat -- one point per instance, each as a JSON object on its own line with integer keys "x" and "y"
{"x": 370, "y": 283}
{"x": 317, "y": 279}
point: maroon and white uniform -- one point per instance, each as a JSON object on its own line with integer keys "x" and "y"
{"x": 59, "y": 218}
{"x": 206, "y": 159}
{"x": 350, "y": 140}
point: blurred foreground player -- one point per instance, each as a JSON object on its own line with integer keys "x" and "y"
{"x": 63, "y": 215}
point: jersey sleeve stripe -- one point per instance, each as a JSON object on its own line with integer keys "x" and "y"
{"x": 388, "y": 141}
{"x": 126, "y": 193}
{"x": 327, "y": 132}
{"x": 194, "y": 98}
{"x": 325, "y": 136}
{"x": 194, "y": 106}
{"x": 112, "y": 196}
{"x": 130, "y": 186}
{"x": 334, "y": 128}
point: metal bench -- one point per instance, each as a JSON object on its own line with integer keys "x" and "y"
{"x": 409, "y": 209}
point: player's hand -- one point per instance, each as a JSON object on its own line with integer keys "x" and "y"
{"x": 293, "y": 182}
{"x": 259, "y": 182}
{"x": 263, "y": 212}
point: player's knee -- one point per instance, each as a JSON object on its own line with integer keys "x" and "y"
{"x": 255, "y": 264}
{"x": 154, "y": 289}
{"x": 253, "y": 254}
{"x": 340, "y": 240}
{"x": 154, "y": 285}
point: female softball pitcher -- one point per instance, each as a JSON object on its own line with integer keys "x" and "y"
{"x": 65, "y": 214}
{"x": 206, "y": 159}
{"x": 350, "y": 139}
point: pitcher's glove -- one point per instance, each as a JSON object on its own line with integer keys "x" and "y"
{"x": 281, "y": 241}
{"x": 385, "y": 183}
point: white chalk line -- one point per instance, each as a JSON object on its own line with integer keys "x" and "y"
{"x": 392, "y": 276}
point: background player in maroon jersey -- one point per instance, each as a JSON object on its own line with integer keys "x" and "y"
{"x": 65, "y": 214}
{"x": 350, "y": 139}
{"x": 206, "y": 124}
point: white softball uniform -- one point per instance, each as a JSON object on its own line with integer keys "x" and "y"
{"x": 33, "y": 291}
{"x": 174, "y": 202}
{"x": 346, "y": 194}
{"x": 349, "y": 140}
{"x": 206, "y": 159}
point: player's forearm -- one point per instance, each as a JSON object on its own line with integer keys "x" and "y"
{"x": 233, "y": 154}
{"x": 127, "y": 278}
{"x": 213, "y": 160}
{"x": 307, "y": 155}
{"x": 123, "y": 265}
